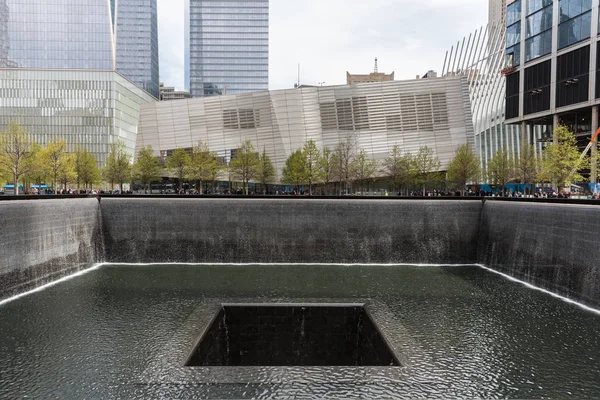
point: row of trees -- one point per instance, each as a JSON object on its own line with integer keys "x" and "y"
{"x": 560, "y": 164}
{"x": 344, "y": 165}
{"x": 22, "y": 160}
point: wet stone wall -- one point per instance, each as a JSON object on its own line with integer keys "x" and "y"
{"x": 44, "y": 240}
{"x": 294, "y": 230}
{"x": 553, "y": 246}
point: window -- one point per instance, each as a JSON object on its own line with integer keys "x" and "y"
{"x": 513, "y": 34}
{"x": 538, "y": 46}
{"x": 575, "y": 22}
{"x": 513, "y": 13}
{"x": 538, "y": 30}
{"x": 572, "y": 77}
{"x": 536, "y": 97}
{"x": 535, "y": 5}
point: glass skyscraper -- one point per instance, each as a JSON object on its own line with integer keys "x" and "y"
{"x": 137, "y": 43}
{"x": 78, "y": 70}
{"x": 226, "y": 46}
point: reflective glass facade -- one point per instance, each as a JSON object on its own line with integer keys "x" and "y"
{"x": 58, "y": 34}
{"x": 513, "y": 34}
{"x": 575, "y": 21}
{"x": 137, "y": 43}
{"x": 538, "y": 29}
{"x": 227, "y": 46}
{"x": 58, "y": 69}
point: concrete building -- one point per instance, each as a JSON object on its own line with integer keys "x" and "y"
{"x": 497, "y": 10}
{"x": 75, "y": 72}
{"x": 169, "y": 93}
{"x": 377, "y": 116}
{"x": 553, "y": 66}
{"x": 226, "y": 46}
{"x": 373, "y": 77}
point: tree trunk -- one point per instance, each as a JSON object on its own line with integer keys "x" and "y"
{"x": 16, "y": 184}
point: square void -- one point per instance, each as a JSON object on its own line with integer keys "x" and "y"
{"x": 292, "y": 335}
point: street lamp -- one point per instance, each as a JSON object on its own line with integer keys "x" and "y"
{"x": 321, "y": 84}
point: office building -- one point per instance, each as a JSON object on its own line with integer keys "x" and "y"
{"x": 168, "y": 93}
{"x": 226, "y": 46}
{"x": 64, "y": 70}
{"x": 376, "y": 116}
{"x": 137, "y": 42}
{"x": 497, "y": 10}
{"x": 553, "y": 66}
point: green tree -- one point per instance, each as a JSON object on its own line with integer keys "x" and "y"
{"x": 179, "y": 163}
{"x": 294, "y": 169}
{"x": 15, "y": 153}
{"x": 55, "y": 155}
{"x": 266, "y": 170}
{"x": 425, "y": 163}
{"x": 399, "y": 168}
{"x": 244, "y": 164}
{"x": 311, "y": 154}
{"x": 66, "y": 173}
{"x": 561, "y": 160}
{"x": 325, "y": 168}
{"x": 527, "y": 166}
{"x": 146, "y": 167}
{"x": 86, "y": 168}
{"x": 203, "y": 165}
{"x": 500, "y": 169}
{"x": 37, "y": 171}
{"x": 118, "y": 166}
{"x": 363, "y": 168}
{"x": 343, "y": 156}
{"x": 463, "y": 168}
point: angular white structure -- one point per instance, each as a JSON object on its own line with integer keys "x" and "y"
{"x": 378, "y": 116}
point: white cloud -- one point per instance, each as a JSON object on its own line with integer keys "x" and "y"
{"x": 329, "y": 37}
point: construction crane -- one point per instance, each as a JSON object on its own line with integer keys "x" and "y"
{"x": 589, "y": 146}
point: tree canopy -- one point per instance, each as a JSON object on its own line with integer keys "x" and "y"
{"x": 244, "y": 164}
{"x": 146, "y": 167}
{"x": 464, "y": 167}
{"x": 561, "y": 160}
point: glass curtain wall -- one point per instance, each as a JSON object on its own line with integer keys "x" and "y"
{"x": 538, "y": 29}
{"x": 513, "y": 34}
{"x": 58, "y": 34}
{"x": 228, "y": 47}
{"x": 575, "y": 22}
{"x": 137, "y": 43}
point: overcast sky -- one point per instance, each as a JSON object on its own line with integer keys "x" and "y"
{"x": 330, "y": 37}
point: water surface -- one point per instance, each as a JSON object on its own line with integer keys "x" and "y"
{"x": 115, "y": 332}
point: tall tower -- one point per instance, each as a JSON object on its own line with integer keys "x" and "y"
{"x": 496, "y": 10}
{"x": 227, "y": 46}
{"x": 137, "y": 42}
{"x": 78, "y": 70}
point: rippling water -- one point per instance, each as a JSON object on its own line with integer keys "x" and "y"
{"x": 120, "y": 332}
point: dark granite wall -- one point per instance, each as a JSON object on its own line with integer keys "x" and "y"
{"x": 550, "y": 245}
{"x": 294, "y": 230}
{"x": 44, "y": 240}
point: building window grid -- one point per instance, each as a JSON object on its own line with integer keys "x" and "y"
{"x": 580, "y": 19}
{"x": 513, "y": 27}
{"x": 538, "y": 44}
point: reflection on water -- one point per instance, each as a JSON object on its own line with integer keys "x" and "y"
{"x": 463, "y": 331}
